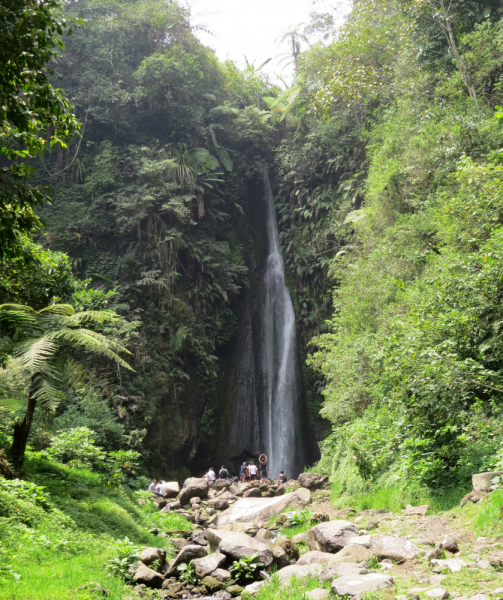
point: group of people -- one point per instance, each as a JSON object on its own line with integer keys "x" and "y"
{"x": 248, "y": 472}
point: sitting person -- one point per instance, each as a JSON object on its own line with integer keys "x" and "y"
{"x": 210, "y": 475}
{"x": 152, "y": 486}
{"x": 157, "y": 491}
{"x": 223, "y": 474}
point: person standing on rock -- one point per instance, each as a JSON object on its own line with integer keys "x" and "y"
{"x": 253, "y": 471}
{"x": 242, "y": 472}
{"x": 262, "y": 459}
{"x": 282, "y": 478}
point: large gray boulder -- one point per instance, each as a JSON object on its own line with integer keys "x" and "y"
{"x": 215, "y": 536}
{"x": 357, "y": 585}
{"x": 299, "y": 571}
{"x": 208, "y": 564}
{"x": 352, "y": 554}
{"x": 240, "y": 545}
{"x": 171, "y": 489}
{"x": 185, "y": 555}
{"x": 148, "y": 576}
{"x": 322, "y": 558}
{"x": 149, "y": 555}
{"x": 331, "y": 536}
{"x": 392, "y": 547}
{"x": 193, "y": 487}
{"x": 256, "y": 510}
{"x": 312, "y": 482}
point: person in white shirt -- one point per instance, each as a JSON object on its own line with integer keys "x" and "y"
{"x": 253, "y": 471}
{"x": 210, "y": 475}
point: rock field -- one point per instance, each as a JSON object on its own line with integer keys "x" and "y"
{"x": 407, "y": 556}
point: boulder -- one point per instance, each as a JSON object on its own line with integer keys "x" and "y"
{"x": 438, "y": 593}
{"x": 281, "y": 491}
{"x": 453, "y": 564}
{"x": 299, "y": 571}
{"x": 193, "y": 487}
{"x": 450, "y": 545}
{"x": 359, "y": 585}
{"x": 221, "y": 575}
{"x": 179, "y": 543}
{"x": 300, "y": 538}
{"x": 234, "y": 590}
{"x": 221, "y": 484}
{"x": 160, "y": 501}
{"x": 215, "y": 536}
{"x": 212, "y": 584}
{"x": 185, "y": 555}
{"x": 254, "y": 588}
{"x": 199, "y": 538}
{"x": 219, "y": 503}
{"x": 331, "y": 536}
{"x": 482, "y": 481}
{"x": 195, "y": 500}
{"x": 249, "y": 510}
{"x": 322, "y": 558}
{"x": 419, "y": 511}
{"x": 361, "y": 540}
{"x": 288, "y": 546}
{"x": 342, "y": 570}
{"x": 240, "y": 545}
{"x": 149, "y": 555}
{"x": 352, "y": 554}
{"x": 207, "y": 564}
{"x": 148, "y": 577}
{"x": 253, "y": 493}
{"x": 393, "y": 547}
{"x": 317, "y": 594}
{"x": 171, "y": 489}
{"x": 280, "y": 557}
{"x": 312, "y": 482}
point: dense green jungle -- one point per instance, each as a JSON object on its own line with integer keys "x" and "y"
{"x": 131, "y": 238}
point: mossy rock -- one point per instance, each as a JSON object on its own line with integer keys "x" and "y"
{"x": 212, "y": 584}
{"x": 235, "y": 589}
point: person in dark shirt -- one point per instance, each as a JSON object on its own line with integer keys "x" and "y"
{"x": 242, "y": 472}
{"x": 223, "y": 474}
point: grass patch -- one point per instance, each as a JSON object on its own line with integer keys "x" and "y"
{"x": 51, "y": 546}
{"x": 294, "y": 590}
{"x": 487, "y": 516}
{"x": 396, "y": 498}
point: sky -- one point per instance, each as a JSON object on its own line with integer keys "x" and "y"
{"x": 251, "y": 27}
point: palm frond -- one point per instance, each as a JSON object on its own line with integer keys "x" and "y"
{"x": 92, "y": 342}
{"x": 64, "y": 310}
{"x": 35, "y": 353}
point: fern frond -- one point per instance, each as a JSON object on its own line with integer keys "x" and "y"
{"x": 94, "y": 316}
{"x": 71, "y": 370}
{"x": 18, "y": 307}
{"x": 92, "y": 342}
{"x": 35, "y": 353}
{"x": 15, "y": 315}
{"x": 47, "y": 395}
{"x": 64, "y": 310}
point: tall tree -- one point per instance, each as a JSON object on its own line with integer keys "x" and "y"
{"x": 42, "y": 343}
{"x": 33, "y": 113}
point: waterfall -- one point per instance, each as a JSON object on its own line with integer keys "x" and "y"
{"x": 283, "y": 419}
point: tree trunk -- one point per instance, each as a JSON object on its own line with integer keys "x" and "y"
{"x": 21, "y": 433}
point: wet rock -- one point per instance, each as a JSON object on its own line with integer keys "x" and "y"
{"x": 312, "y": 482}
{"x": 240, "y": 545}
{"x": 393, "y": 547}
{"x": 331, "y": 536}
{"x": 193, "y": 487}
{"x": 148, "y": 577}
{"x": 149, "y": 555}
{"x": 207, "y": 564}
{"x": 354, "y": 586}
